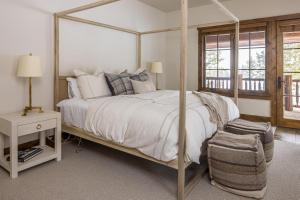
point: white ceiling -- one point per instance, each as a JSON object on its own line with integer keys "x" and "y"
{"x": 172, "y": 5}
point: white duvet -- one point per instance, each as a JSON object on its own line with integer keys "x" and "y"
{"x": 149, "y": 122}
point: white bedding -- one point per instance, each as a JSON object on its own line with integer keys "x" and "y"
{"x": 147, "y": 122}
{"x": 73, "y": 111}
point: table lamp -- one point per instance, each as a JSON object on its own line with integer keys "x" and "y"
{"x": 156, "y": 67}
{"x": 29, "y": 66}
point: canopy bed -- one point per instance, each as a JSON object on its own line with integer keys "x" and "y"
{"x": 60, "y": 86}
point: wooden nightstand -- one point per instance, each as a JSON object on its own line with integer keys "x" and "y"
{"x": 15, "y": 125}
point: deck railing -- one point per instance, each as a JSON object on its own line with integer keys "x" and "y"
{"x": 255, "y": 84}
{"x": 291, "y": 93}
{"x": 296, "y": 85}
{"x": 296, "y": 93}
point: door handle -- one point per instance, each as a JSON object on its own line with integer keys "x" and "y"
{"x": 279, "y": 82}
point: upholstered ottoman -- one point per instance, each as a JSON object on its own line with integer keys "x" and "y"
{"x": 265, "y": 131}
{"x": 237, "y": 164}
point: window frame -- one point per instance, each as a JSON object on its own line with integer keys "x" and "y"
{"x": 230, "y": 29}
{"x": 231, "y": 63}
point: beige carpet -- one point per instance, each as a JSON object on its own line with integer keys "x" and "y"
{"x": 98, "y": 173}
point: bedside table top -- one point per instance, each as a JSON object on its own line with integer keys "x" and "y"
{"x": 30, "y": 117}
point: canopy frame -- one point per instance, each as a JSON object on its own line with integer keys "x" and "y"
{"x": 183, "y": 189}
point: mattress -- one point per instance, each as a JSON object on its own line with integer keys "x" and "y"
{"x": 147, "y": 122}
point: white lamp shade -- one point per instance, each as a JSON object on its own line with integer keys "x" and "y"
{"x": 156, "y": 67}
{"x": 29, "y": 66}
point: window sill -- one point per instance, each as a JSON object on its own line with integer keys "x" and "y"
{"x": 242, "y": 94}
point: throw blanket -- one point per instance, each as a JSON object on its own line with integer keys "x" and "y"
{"x": 260, "y": 127}
{"x": 149, "y": 123}
{"x": 217, "y": 107}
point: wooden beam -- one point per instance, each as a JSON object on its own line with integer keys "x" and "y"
{"x": 138, "y": 50}
{"x": 86, "y": 7}
{"x": 236, "y": 52}
{"x": 225, "y": 10}
{"x": 271, "y": 63}
{"x": 189, "y": 27}
{"x": 182, "y": 100}
{"x": 200, "y": 172}
{"x": 100, "y": 140}
{"x": 77, "y": 19}
{"x": 56, "y": 60}
{"x": 236, "y": 63}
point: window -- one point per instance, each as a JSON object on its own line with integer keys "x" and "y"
{"x": 291, "y": 69}
{"x": 217, "y": 66}
{"x": 252, "y": 61}
{"x": 217, "y": 61}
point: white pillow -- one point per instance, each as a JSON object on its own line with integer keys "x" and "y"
{"x": 92, "y": 86}
{"x": 73, "y": 90}
{"x": 140, "y": 87}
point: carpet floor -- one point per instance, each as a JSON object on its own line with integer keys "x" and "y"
{"x": 99, "y": 173}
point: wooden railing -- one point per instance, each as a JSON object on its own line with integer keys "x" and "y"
{"x": 220, "y": 83}
{"x": 255, "y": 84}
{"x": 292, "y": 88}
{"x": 296, "y": 87}
{"x": 291, "y": 93}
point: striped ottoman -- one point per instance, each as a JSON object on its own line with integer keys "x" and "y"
{"x": 237, "y": 164}
{"x": 265, "y": 131}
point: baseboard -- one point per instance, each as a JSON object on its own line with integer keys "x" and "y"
{"x": 255, "y": 118}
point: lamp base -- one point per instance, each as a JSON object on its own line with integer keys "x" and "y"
{"x": 28, "y": 109}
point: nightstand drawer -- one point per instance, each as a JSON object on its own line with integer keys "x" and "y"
{"x": 36, "y": 127}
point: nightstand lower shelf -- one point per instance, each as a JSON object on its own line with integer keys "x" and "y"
{"x": 47, "y": 155}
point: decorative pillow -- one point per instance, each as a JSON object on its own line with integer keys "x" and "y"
{"x": 140, "y": 87}
{"x": 143, "y": 76}
{"x": 119, "y": 84}
{"x": 92, "y": 86}
{"x": 73, "y": 90}
{"x": 139, "y": 70}
{"x": 138, "y": 75}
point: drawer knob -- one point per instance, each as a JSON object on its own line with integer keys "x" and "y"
{"x": 39, "y": 126}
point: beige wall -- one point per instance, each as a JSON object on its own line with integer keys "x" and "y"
{"x": 27, "y": 26}
{"x": 206, "y": 14}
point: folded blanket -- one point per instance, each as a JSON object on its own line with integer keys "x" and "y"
{"x": 217, "y": 107}
{"x": 254, "y": 126}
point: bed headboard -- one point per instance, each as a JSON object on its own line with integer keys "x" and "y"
{"x": 60, "y": 90}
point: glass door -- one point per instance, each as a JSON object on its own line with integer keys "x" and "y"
{"x": 288, "y": 72}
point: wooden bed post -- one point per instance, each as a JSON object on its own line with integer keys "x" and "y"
{"x": 182, "y": 100}
{"x": 236, "y": 52}
{"x": 236, "y": 63}
{"x": 138, "y": 50}
{"x": 86, "y": 7}
{"x": 56, "y": 60}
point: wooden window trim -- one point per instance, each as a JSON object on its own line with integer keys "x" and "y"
{"x": 248, "y": 26}
{"x": 272, "y": 27}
